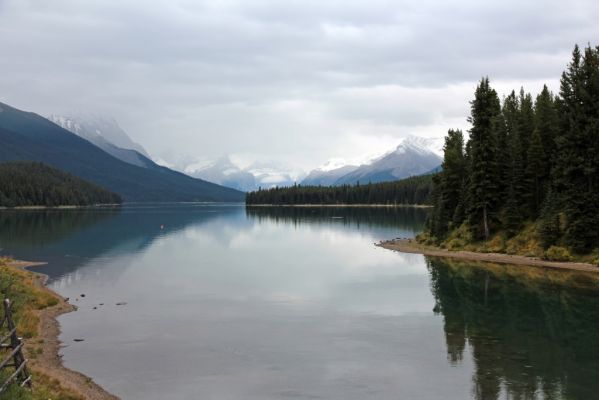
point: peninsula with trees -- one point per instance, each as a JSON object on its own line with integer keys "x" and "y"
{"x": 526, "y": 181}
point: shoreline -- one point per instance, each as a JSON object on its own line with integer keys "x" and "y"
{"x": 343, "y": 205}
{"x": 49, "y": 362}
{"x": 410, "y": 246}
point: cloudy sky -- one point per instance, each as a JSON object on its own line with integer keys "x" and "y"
{"x": 296, "y": 81}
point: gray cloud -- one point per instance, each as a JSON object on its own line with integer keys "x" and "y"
{"x": 294, "y": 80}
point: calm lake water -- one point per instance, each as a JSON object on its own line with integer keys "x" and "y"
{"x": 228, "y": 303}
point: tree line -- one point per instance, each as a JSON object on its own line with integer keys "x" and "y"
{"x": 526, "y": 160}
{"x": 27, "y": 183}
{"x": 409, "y": 191}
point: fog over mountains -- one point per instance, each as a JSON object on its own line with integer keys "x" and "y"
{"x": 101, "y": 130}
{"x": 413, "y": 156}
{"x": 224, "y": 171}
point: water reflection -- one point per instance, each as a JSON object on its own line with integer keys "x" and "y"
{"x": 403, "y": 221}
{"x": 533, "y": 333}
{"x": 68, "y": 239}
{"x": 268, "y": 303}
{"x": 39, "y": 228}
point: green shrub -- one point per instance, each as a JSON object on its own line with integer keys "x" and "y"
{"x": 455, "y": 244}
{"x": 557, "y": 253}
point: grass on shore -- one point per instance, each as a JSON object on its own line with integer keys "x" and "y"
{"x": 28, "y": 298}
{"x": 526, "y": 242}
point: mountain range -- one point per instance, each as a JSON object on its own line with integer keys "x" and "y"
{"x": 259, "y": 174}
{"x": 28, "y": 136}
{"x": 72, "y": 141}
{"x": 413, "y": 156}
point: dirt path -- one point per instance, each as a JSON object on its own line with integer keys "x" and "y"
{"x": 49, "y": 361}
{"x": 410, "y": 246}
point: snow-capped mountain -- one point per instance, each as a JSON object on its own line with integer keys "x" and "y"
{"x": 323, "y": 177}
{"x": 223, "y": 172}
{"x": 270, "y": 174}
{"x": 335, "y": 168}
{"x": 102, "y": 131}
{"x": 413, "y": 156}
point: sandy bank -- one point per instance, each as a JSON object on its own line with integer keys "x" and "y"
{"x": 49, "y": 362}
{"x": 411, "y": 246}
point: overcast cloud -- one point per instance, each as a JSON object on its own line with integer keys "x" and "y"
{"x": 300, "y": 81}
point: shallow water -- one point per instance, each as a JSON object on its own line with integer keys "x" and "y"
{"x": 224, "y": 303}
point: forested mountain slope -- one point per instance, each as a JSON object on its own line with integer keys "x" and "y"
{"x": 26, "y": 183}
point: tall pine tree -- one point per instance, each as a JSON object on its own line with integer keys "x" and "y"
{"x": 546, "y": 122}
{"x": 450, "y": 183}
{"x": 536, "y": 177}
{"x": 483, "y": 187}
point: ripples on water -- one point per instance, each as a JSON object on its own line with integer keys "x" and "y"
{"x": 229, "y": 303}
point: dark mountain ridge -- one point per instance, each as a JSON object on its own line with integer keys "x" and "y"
{"x": 28, "y": 136}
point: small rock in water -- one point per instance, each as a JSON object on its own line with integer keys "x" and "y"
{"x": 122, "y": 303}
{"x": 82, "y": 294}
{"x": 78, "y": 340}
{"x": 101, "y": 304}
{"x": 95, "y": 308}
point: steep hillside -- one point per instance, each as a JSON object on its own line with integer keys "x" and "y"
{"x": 99, "y": 130}
{"x": 28, "y": 136}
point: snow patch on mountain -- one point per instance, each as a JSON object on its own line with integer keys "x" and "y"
{"x": 97, "y": 129}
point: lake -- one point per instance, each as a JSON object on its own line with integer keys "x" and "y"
{"x": 228, "y": 303}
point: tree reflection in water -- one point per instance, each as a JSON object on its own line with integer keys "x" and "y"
{"x": 533, "y": 333}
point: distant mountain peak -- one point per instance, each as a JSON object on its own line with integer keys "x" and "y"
{"x": 421, "y": 145}
{"x": 413, "y": 155}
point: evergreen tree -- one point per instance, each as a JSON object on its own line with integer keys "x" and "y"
{"x": 546, "y": 122}
{"x": 512, "y": 220}
{"x": 499, "y": 128}
{"x": 526, "y": 122}
{"x": 576, "y": 174}
{"x": 448, "y": 185}
{"x": 549, "y": 223}
{"x": 536, "y": 174}
{"x": 28, "y": 183}
{"x": 483, "y": 188}
{"x": 516, "y": 186}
